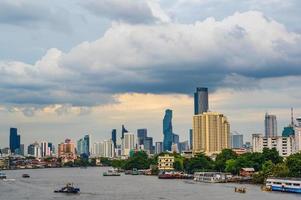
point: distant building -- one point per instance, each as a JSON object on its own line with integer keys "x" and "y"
{"x": 45, "y": 149}
{"x": 148, "y": 145}
{"x": 123, "y": 131}
{"x": 190, "y": 138}
{"x": 211, "y": 133}
{"x": 183, "y": 146}
{"x": 175, "y": 148}
{"x": 297, "y": 131}
{"x": 66, "y": 151}
{"x": 141, "y": 135}
{"x": 84, "y": 146}
{"x": 201, "y": 100}
{"x": 165, "y": 163}
{"x": 167, "y": 130}
{"x": 288, "y": 131}
{"x": 237, "y": 141}
{"x": 128, "y": 143}
{"x": 34, "y": 150}
{"x": 14, "y": 140}
{"x": 284, "y": 145}
{"x": 270, "y": 124}
{"x": 175, "y": 138}
{"x": 246, "y": 172}
{"x": 114, "y": 137}
{"x": 158, "y": 147}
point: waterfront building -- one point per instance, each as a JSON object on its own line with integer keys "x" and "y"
{"x": 14, "y": 140}
{"x": 165, "y": 163}
{"x": 128, "y": 143}
{"x": 158, "y": 147}
{"x": 190, "y": 138}
{"x": 284, "y": 145}
{"x": 270, "y": 124}
{"x": 211, "y": 133}
{"x": 114, "y": 137}
{"x": 167, "y": 130}
{"x": 123, "y": 131}
{"x": 4, "y": 163}
{"x": 34, "y": 150}
{"x": 66, "y": 151}
{"x": 201, "y": 100}
{"x": 237, "y": 141}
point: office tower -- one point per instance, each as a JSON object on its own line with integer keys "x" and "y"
{"x": 14, "y": 140}
{"x": 84, "y": 146}
{"x": 148, "y": 145}
{"x": 66, "y": 151}
{"x": 158, "y": 147}
{"x": 114, "y": 137}
{"x": 20, "y": 151}
{"x": 128, "y": 143}
{"x": 167, "y": 130}
{"x": 211, "y": 133}
{"x": 183, "y": 146}
{"x": 34, "y": 150}
{"x": 108, "y": 148}
{"x": 141, "y": 135}
{"x": 270, "y": 123}
{"x": 45, "y": 149}
{"x": 123, "y": 131}
{"x": 237, "y": 141}
{"x": 175, "y": 138}
{"x": 200, "y": 100}
{"x": 79, "y": 146}
{"x": 190, "y": 138}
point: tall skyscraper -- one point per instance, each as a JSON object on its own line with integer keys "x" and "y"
{"x": 14, "y": 140}
{"x": 201, "y": 100}
{"x": 84, "y": 146}
{"x": 270, "y": 123}
{"x": 190, "y": 138}
{"x": 114, "y": 137}
{"x": 141, "y": 135}
{"x": 128, "y": 143}
{"x": 123, "y": 131}
{"x": 237, "y": 141}
{"x": 211, "y": 133}
{"x": 148, "y": 144}
{"x": 167, "y": 130}
{"x": 45, "y": 150}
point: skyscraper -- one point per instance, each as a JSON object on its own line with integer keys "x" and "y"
{"x": 45, "y": 150}
{"x": 148, "y": 144}
{"x": 141, "y": 135}
{"x": 84, "y": 146}
{"x": 211, "y": 133}
{"x": 14, "y": 140}
{"x": 237, "y": 141}
{"x": 114, "y": 137}
{"x": 190, "y": 138}
{"x": 200, "y": 100}
{"x": 123, "y": 131}
{"x": 158, "y": 147}
{"x": 270, "y": 123}
{"x": 167, "y": 130}
{"x": 129, "y": 143}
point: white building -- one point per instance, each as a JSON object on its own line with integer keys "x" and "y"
{"x": 284, "y": 145}
{"x": 45, "y": 149}
{"x": 298, "y": 135}
{"x": 128, "y": 143}
{"x": 103, "y": 149}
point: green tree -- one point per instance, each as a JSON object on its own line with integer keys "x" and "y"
{"x": 199, "y": 162}
{"x": 293, "y": 162}
{"x": 232, "y": 166}
{"x": 221, "y": 159}
{"x": 280, "y": 170}
{"x": 272, "y": 154}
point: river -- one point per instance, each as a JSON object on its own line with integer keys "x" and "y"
{"x": 93, "y": 185}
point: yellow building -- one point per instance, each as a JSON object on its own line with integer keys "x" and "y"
{"x": 166, "y": 162}
{"x": 211, "y": 133}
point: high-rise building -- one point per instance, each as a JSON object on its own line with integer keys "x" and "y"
{"x": 175, "y": 138}
{"x": 237, "y": 141}
{"x": 201, "y": 100}
{"x": 211, "y": 133}
{"x": 128, "y": 143}
{"x": 114, "y": 137}
{"x": 148, "y": 145}
{"x": 108, "y": 149}
{"x": 123, "y": 131}
{"x": 45, "y": 149}
{"x": 66, "y": 151}
{"x": 84, "y": 146}
{"x": 298, "y": 135}
{"x": 167, "y": 130}
{"x": 190, "y": 138}
{"x": 270, "y": 123}
{"x": 34, "y": 150}
{"x": 141, "y": 135}
{"x": 14, "y": 140}
{"x": 183, "y": 146}
{"x": 158, "y": 147}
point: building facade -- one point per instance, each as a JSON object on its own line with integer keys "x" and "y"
{"x": 211, "y": 133}
{"x": 167, "y": 130}
{"x": 201, "y": 100}
{"x": 270, "y": 125}
{"x": 165, "y": 163}
{"x": 66, "y": 151}
{"x": 14, "y": 140}
{"x": 237, "y": 141}
{"x": 158, "y": 147}
{"x": 114, "y": 137}
{"x": 128, "y": 143}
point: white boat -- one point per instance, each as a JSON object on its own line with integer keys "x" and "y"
{"x": 284, "y": 184}
{"x": 211, "y": 177}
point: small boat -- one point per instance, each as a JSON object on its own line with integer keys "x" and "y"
{"x": 111, "y": 172}
{"x": 292, "y": 185}
{"x": 25, "y": 176}
{"x": 240, "y": 190}
{"x": 69, "y": 188}
{"x": 2, "y": 175}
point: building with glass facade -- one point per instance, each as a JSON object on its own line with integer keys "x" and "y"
{"x": 167, "y": 130}
{"x": 201, "y": 100}
{"x": 14, "y": 140}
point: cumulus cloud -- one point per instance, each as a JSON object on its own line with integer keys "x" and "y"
{"x": 157, "y": 58}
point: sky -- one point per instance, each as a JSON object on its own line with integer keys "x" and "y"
{"x": 70, "y": 68}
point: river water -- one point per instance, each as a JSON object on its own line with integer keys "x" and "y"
{"x": 93, "y": 185}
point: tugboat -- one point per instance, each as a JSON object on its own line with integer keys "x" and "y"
{"x": 69, "y": 188}
{"x": 2, "y": 176}
{"x": 25, "y": 176}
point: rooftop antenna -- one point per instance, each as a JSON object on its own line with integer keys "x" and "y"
{"x": 292, "y": 117}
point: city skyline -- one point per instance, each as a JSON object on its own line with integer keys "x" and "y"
{"x": 74, "y": 68}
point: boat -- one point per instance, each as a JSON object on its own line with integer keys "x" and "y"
{"x": 211, "y": 177}
{"x": 2, "y": 175}
{"x": 69, "y": 188}
{"x": 292, "y": 185}
{"x": 111, "y": 172}
{"x": 174, "y": 175}
{"x": 240, "y": 190}
{"x": 25, "y": 176}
